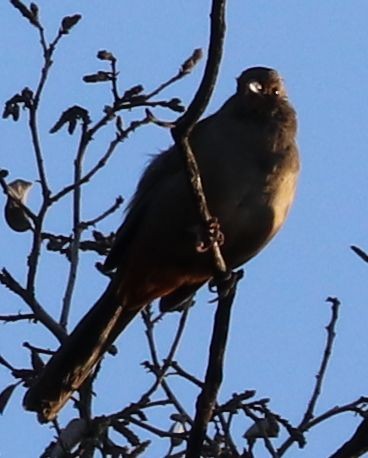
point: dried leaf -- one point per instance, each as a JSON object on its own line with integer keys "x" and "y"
{"x": 132, "y": 92}
{"x": 139, "y": 449}
{"x": 99, "y": 77}
{"x": 5, "y": 396}
{"x": 72, "y": 125}
{"x": 132, "y": 438}
{"x": 12, "y": 106}
{"x": 193, "y": 60}
{"x": 176, "y": 105}
{"x": 106, "y": 55}
{"x": 114, "y": 450}
{"x": 70, "y": 117}
{"x": 36, "y": 361}
{"x": 11, "y": 110}
{"x": 69, "y": 22}
{"x": 35, "y": 10}
{"x": 264, "y": 427}
{"x": 15, "y": 216}
{"x": 177, "y": 428}
{"x": 177, "y": 455}
{"x": 28, "y": 14}
{"x": 27, "y": 96}
{"x": 362, "y": 254}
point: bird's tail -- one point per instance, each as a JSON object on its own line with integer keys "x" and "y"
{"x": 69, "y": 367}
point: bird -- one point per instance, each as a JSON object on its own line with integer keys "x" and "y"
{"x": 249, "y": 164}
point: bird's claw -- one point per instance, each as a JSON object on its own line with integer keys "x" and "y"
{"x": 225, "y": 284}
{"x": 210, "y": 236}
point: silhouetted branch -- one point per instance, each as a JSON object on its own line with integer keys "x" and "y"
{"x": 186, "y": 68}
{"x": 186, "y": 122}
{"x": 331, "y": 334}
{"x": 18, "y": 317}
{"x": 356, "y": 407}
{"x": 181, "y": 133}
{"x": 37, "y": 349}
{"x": 77, "y": 228}
{"x": 120, "y": 136}
{"x": 39, "y": 312}
{"x": 307, "y": 420}
{"x": 182, "y": 373}
{"x": 362, "y": 254}
{"x": 116, "y": 205}
{"x": 207, "y": 399}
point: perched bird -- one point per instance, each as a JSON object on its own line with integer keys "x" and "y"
{"x": 248, "y": 160}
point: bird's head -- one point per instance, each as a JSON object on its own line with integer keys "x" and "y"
{"x": 260, "y": 89}
{"x": 261, "y": 82}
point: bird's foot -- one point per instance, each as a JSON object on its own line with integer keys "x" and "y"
{"x": 210, "y": 235}
{"x": 225, "y": 284}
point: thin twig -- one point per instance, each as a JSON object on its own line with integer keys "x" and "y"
{"x": 92, "y": 222}
{"x": 331, "y": 334}
{"x": 183, "y": 373}
{"x": 19, "y": 317}
{"x": 39, "y": 350}
{"x": 114, "y": 79}
{"x": 227, "y": 434}
{"x": 40, "y": 313}
{"x": 104, "y": 159}
{"x": 34, "y": 255}
{"x": 355, "y": 407}
{"x": 77, "y": 228}
{"x": 154, "y": 430}
{"x": 183, "y": 71}
{"x": 306, "y": 422}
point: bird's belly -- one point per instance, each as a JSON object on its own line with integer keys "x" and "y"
{"x": 281, "y": 199}
{"x": 257, "y": 220}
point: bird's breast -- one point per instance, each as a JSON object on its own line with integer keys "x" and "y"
{"x": 281, "y": 197}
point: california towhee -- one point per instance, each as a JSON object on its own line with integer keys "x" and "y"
{"x": 248, "y": 160}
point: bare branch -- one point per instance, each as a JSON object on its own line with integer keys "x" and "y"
{"x": 361, "y": 253}
{"x": 331, "y": 334}
{"x": 39, "y": 312}
{"x": 186, "y": 68}
{"x": 306, "y": 422}
{"x": 116, "y": 205}
{"x": 77, "y": 227}
{"x": 207, "y": 399}
{"x": 104, "y": 159}
{"x": 185, "y": 124}
{"x": 18, "y": 317}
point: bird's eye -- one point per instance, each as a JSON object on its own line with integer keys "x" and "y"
{"x": 255, "y": 86}
{"x": 275, "y": 91}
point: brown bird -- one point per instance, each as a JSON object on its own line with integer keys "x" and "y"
{"x": 249, "y": 165}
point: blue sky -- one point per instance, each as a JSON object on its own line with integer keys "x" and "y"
{"x": 278, "y": 321}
